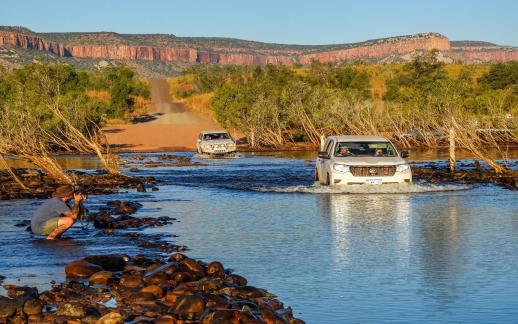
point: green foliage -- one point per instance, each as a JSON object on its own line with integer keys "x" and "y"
{"x": 28, "y": 95}
{"x": 275, "y": 104}
{"x": 501, "y": 76}
{"x": 420, "y": 75}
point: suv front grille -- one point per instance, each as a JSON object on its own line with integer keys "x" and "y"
{"x": 373, "y": 171}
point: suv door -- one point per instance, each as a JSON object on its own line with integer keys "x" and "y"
{"x": 323, "y": 162}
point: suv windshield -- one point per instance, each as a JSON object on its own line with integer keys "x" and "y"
{"x": 215, "y": 136}
{"x": 376, "y": 149}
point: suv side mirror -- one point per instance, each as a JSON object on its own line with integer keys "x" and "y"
{"x": 323, "y": 155}
{"x": 405, "y": 154}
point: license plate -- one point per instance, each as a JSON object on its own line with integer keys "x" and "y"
{"x": 373, "y": 181}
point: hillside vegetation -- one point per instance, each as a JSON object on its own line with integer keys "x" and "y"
{"x": 414, "y": 104}
{"x": 49, "y": 107}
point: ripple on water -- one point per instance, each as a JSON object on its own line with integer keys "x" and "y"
{"x": 382, "y": 189}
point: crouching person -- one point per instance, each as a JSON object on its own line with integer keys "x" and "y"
{"x": 54, "y": 216}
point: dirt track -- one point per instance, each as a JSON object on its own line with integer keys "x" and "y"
{"x": 168, "y": 127}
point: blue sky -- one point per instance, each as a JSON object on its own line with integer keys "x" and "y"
{"x": 293, "y": 22}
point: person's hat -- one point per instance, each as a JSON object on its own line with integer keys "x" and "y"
{"x": 63, "y": 191}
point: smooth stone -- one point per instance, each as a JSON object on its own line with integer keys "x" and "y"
{"x": 81, "y": 269}
{"x": 32, "y": 307}
{"x": 237, "y": 279}
{"x": 111, "y": 318}
{"x": 101, "y": 278}
{"x": 155, "y": 290}
{"x": 75, "y": 310}
{"x": 215, "y": 269}
{"x": 110, "y": 262}
{"x": 7, "y": 307}
{"x": 14, "y": 291}
{"x": 188, "y": 304}
{"x": 192, "y": 265}
{"x": 130, "y": 281}
{"x": 167, "y": 268}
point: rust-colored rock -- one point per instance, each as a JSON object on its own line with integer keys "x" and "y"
{"x": 81, "y": 269}
{"x": 102, "y": 278}
{"x": 188, "y": 304}
{"x": 111, "y": 318}
{"x": 155, "y": 290}
{"x": 185, "y": 51}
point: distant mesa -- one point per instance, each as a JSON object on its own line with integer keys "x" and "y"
{"x": 188, "y": 50}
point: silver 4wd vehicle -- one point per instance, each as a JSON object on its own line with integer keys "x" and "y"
{"x": 215, "y": 143}
{"x": 351, "y": 160}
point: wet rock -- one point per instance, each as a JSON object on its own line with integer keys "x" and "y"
{"x": 14, "y": 291}
{"x": 237, "y": 279}
{"x": 215, "y": 269}
{"x": 188, "y": 304}
{"x": 134, "y": 170}
{"x": 111, "y": 318}
{"x": 245, "y": 292}
{"x": 140, "y": 188}
{"x": 32, "y": 306}
{"x": 75, "y": 310}
{"x": 192, "y": 265}
{"x": 218, "y": 315}
{"x": 7, "y": 307}
{"x": 23, "y": 223}
{"x": 110, "y": 262}
{"x": 167, "y": 319}
{"x": 167, "y": 268}
{"x": 271, "y": 317}
{"x": 81, "y": 269}
{"x": 101, "y": 278}
{"x": 154, "y": 290}
{"x": 123, "y": 207}
{"x": 129, "y": 280}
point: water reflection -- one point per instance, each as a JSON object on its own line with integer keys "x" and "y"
{"x": 354, "y": 219}
{"x": 65, "y": 248}
{"x": 440, "y": 241}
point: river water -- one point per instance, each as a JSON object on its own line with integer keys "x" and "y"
{"x": 429, "y": 253}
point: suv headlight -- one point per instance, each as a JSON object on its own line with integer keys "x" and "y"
{"x": 206, "y": 146}
{"x": 341, "y": 168}
{"x": 402, "y": 167}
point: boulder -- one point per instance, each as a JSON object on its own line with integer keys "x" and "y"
{"x": 188, "y": 304}
{"x": 101, "y": 278}
{"x": 215, "y": 269}
{"x": 110, "y": 262}
{"x": 7, "y": 307}
{"x": 75, "y": 310}
{"x": 32, "y": 306}
{"x": 237, "y": 280}
{"x": 155, "y": 290}
{"x": 129, "y": 280}
{"x": 14, "y": 291}
{"x": 167, "y": 268}
{"x": 111, "y": 318}
{"x": 81, "y": 269}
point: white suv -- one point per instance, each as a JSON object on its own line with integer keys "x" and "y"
{"x": 351, "y": 160}
{"x": 215, "y": 143}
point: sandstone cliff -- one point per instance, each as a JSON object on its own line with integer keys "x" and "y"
{"x": 169, "y": 48}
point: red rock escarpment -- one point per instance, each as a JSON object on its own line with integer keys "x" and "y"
{"x": 396, "y": 45}
{"x": 188, "y": 53}
{"x": 496, "y": 54}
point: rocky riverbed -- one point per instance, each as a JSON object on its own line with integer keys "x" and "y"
{"x": 467, "y": 173}
{"x": 162, "y": 286}
{"x": 140, "y": 289}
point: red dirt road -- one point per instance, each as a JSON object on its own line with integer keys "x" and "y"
{"x": 168, "y": 127}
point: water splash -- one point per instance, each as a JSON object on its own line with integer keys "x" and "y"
{"x": 365, "y": 189}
